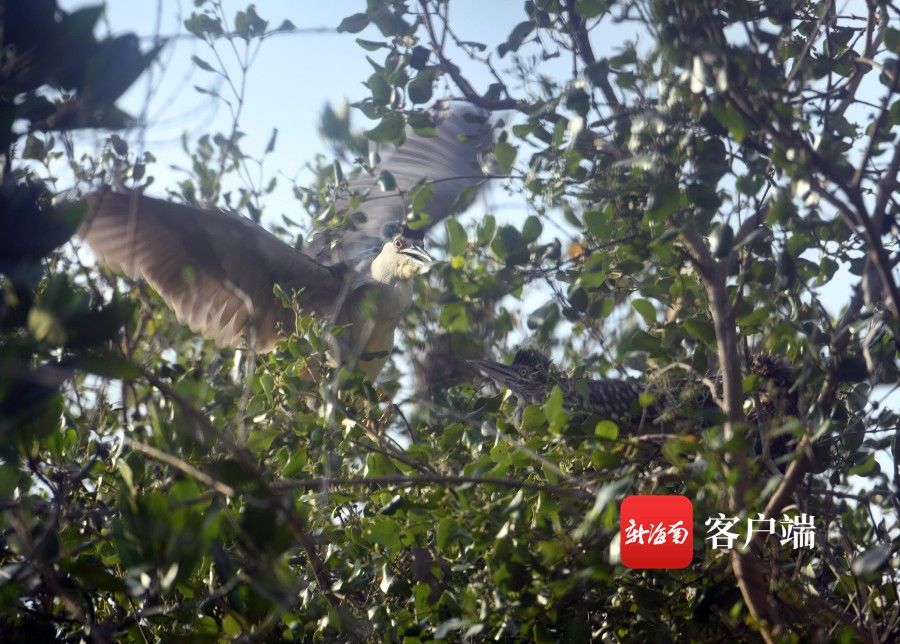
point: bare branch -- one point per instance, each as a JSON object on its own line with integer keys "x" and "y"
{"x": 492, "y": 104}
{"x": 578, "y": 30}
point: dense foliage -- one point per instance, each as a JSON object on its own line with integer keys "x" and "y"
{"x": 720, "y": 187}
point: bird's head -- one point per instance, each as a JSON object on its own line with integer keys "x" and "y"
{"x": 530, "y": 375}
{"x": 401, "y": 257}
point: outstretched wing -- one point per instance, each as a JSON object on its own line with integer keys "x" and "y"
{"x": 216, "y": 270}
{"x": 448, "y": 162}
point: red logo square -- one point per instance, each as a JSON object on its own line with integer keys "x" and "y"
{"x": 656, "y": 531}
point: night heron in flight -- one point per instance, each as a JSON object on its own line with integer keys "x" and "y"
{"x": 217, "y": 270}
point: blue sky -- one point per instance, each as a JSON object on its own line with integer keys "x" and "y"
{"x": 292, "y": 78}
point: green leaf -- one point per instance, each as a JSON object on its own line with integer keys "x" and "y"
{"x": 386, "y": 181}
{"x": 597, "y": 72}
{"x": 532, "y": 229}
{"x": 781, "y": 209}
{"x": 296, "y": 462}
{"x": 389, "y": 129}
{"x": 248, "y": 25}
{"x": 379, "y": 465}
{"x": 446, "y": 532}
{"x": 509, "y": 246}
{"x": 106, "y": 364}
{"x": 892, "y": 39}
{"x": 593, "y": 8}
{"x": 867, "y": 468}
{"x": 454, "y": 317}
{"x": 646, "y": 310}
{"x": 732, "y": 119}
{"x": 260, "y": 440}
{"x": 552, "y": 552}
{"x": 544, "y": 318}
{"x": 46, "y": 327}
{"x": 754, "y": 318}
{"x": 599, "y": 223}
{"x": 554, "y": 411}
{"x": 202, "y": 64}
{"x": 370, "y": 45}
{"x": 354, "y": 24}
{"x": 605, "y": 496}
{"x": 34, "y": 148}
{"x": 516, "y": 38}
{"x": 700, "y": 329}
{"x": 787, "y": 270}
{"x": 204, "y": 26}
{"x": 486, "y": 229}
{"x": 456, "y": 237}
{"x": 8, "y": 481}
{"x": 380, "y": 88}
{"x": 385, "y": 532}
{"x": 593, "y": 280}
{"x": 664, "y": 202}
{"x": 505, "y": 154}
{"x": 532, "y": 418}
{"x": 607, "y": 430}
{"x": 421, "y": 87}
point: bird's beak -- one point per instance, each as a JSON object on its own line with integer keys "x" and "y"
{"x": 499, "y": 373}
{"x": 417, "y": 252}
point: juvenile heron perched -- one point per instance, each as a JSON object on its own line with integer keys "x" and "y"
{"x": 531, "y": 377}
{"x": 217, "y": 270}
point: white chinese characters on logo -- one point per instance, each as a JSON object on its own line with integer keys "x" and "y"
{"x": 799, "y": 530}
{"x": 656, "y": 535}
{"x": 722, "y": 536}
{"x": 679, "y": 533}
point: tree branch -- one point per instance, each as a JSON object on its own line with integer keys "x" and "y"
{"x": 492, "y": 104}
{"x": 182, "y": 466}
{"x": 746, "y": 564}
{"x": 582, "y": 42}
{"x": 430, "y": 479}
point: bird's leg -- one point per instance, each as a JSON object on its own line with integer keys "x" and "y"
{"x": 390, "y": 409}
{"x": 376, "y": 425}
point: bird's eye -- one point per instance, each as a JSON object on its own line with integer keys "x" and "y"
{"x": 399, "y": 243}
{"x": 523, "y": 372}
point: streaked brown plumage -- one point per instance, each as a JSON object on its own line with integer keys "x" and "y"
{"x": 531, "y": 377}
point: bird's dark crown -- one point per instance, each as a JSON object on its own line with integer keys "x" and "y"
{"x": 531, "y": 364}
{"x": 394, "y": 229}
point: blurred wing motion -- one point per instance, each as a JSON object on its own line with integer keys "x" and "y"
{"x": 214, "y": 269}
{"x": 448, "y": 162}
{"x": 217, "y": 270}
